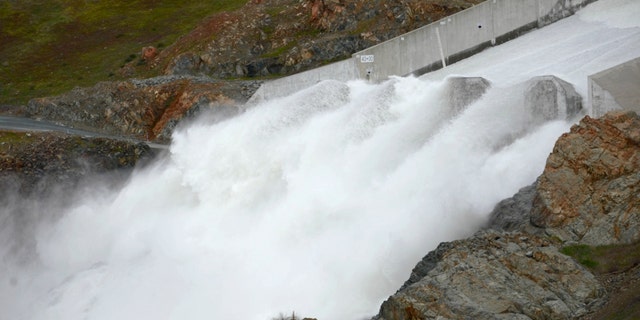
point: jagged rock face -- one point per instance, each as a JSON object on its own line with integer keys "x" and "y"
{"x": 142, "y": 109}
{"x": 495, "y": 275}
{"x": 590, "y": 186}
{"x": 551, "y": 98}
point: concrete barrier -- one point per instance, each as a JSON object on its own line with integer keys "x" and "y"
{"x": 551, "y": 98}
{"x": 459, "y": 36}
{"x": 463, "y": 91}
{"x": 615, "y": 88}
{"x": 434, "y": 46}
{"x": 343, "y": 71}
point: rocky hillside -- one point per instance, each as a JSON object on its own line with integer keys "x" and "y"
{"x": 585, "y": 205}
{"x": 140, "y": 109}
{"x": 261, "y": 39}
{"x": 280, "y": 37}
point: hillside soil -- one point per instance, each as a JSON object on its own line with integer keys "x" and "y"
{"x": 54, "y": 46}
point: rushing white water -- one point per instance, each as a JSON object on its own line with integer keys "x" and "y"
{"x": 318, "y": 203}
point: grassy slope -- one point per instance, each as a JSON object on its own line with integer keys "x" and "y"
{"x": 604, "y": 260}
{"x": 51, "y": 46}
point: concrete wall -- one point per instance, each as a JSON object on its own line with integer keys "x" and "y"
{"x": 436, "y": 45}
{"x": 459, "y": 36}
{"x": 343, "y": 70}
{"x": 615, "y": 88}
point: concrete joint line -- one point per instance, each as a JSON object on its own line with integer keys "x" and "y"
{"x": 444, "y": 64}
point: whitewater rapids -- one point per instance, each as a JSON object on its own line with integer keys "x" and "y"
{"x": 319, "y": 203}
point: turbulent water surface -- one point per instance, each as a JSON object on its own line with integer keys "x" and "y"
{"x": 318, "y": 203}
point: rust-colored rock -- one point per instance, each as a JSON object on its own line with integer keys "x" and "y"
{"x": 317, "y": 8}
{"x": 149, "y": 53}
{"x": 589, "y": 191}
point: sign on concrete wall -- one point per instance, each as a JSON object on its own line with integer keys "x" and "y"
{"x": 367, "y": 58}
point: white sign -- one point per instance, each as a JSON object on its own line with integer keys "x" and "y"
{"x": 366, "y": 58}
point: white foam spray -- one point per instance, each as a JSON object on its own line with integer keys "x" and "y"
{"x": 318, "y": 203}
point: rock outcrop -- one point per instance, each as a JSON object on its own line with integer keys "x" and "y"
{"x": 141, "y": 109}
{"x": 31, "y": 163}
{"x": 587, "y": 194}
{"x": 512, "y": 214}
{"x": 495, "y": 275}
{"x": 589, "y": 191}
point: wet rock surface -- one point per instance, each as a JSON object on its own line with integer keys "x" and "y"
{"x": 513, "y": 213}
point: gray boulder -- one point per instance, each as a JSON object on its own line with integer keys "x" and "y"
{"x": 496, "y": 275}
{"x": 512, "y": 214}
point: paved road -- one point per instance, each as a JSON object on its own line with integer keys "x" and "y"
{"x": 25, "y": 124}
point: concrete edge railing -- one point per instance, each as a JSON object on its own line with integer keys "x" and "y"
{"x": 615, "y": 88}
{"x": 433, "y": 46}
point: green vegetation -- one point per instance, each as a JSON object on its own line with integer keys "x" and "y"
{"x": 605, "y": 259}
{"x": 582, "y": 253}
{"x": 8, "y": 138}
{"x": 364, "y": 26}
{"x": 51, "y": 46}
{"x": 612, "y": 259}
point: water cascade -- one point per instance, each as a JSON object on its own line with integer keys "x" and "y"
{"x": 319, "y": 203}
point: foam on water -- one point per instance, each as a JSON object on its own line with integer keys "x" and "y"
{"x": 613, "y": 13}
{"x": 320, "y": 202}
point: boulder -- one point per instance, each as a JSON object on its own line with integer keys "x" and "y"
{"x": 551, "y": 98}
{"x": 512, "y": 214}
{"x": 589, "y": 190}
{"x": 149, "y": 53}
{"x": 495, "y": 275}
